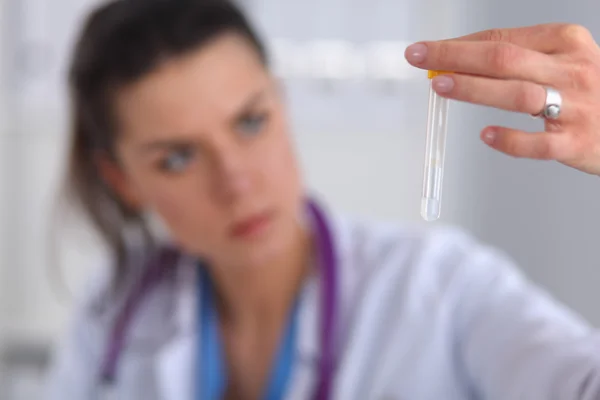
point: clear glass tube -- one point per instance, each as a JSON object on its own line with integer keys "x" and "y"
{"x": 435, "y": 149}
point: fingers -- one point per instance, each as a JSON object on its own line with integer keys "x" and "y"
{"x": 509, "y": 69}
{"x": 545, "y": 38}
{"x": 493, "y": 59}
{"x": 539, "y": 146}
{"x": 510, "y": 95}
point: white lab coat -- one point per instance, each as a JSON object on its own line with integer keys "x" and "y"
{"x": 424, "y": 315}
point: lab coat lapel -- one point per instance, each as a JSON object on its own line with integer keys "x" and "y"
{"x": 307, "y": 348}
{"x": 175, "y": 362}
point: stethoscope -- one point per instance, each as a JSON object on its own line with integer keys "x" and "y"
{"x": 210, "y": 382}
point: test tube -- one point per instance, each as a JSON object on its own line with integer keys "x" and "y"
{"x": 435, "y": 149}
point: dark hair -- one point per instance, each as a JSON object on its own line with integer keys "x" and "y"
{"x": 121, "y": 42}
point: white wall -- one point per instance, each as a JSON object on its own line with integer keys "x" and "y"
{"x": 37, "y": 39}
{"x": 3, "y": 184}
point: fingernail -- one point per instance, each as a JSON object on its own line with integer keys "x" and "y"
{"x": 416, "y": 53}
{"x": 489, "y": 135}
{"x": 442, "y": 83}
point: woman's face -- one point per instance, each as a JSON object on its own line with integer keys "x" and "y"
{"x": 204, "y": 144}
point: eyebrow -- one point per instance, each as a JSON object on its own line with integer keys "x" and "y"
{"x": 251, "y": 102}
{"x": 175, "y": 143}
{"x": 166, "y": 144}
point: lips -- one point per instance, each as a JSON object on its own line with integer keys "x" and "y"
{"x": 251, "y": 226}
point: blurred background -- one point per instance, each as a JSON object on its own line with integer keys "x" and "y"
{"x": 359, "y": 114}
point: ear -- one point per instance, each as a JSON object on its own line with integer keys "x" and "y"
{"x": 116, "y": 179}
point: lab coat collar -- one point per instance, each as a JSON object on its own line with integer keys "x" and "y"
{"x": 176, "y": 361}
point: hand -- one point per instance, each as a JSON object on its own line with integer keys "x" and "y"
{"x": 509, "y": 69}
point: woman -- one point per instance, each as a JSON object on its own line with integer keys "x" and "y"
{"x": 260, "y": 293}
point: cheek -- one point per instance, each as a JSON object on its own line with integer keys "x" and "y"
{"x": 184, "y": 208}
{"x": 191, "y": 221}
{"x": 171, "y": 206}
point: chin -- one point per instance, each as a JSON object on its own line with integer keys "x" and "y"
{"x": 263, "y": 253}
{"x": 266, "y": 249}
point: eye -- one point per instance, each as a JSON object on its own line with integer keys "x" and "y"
{"x": 252, "y": 124}
{"x": 177, "y": 160}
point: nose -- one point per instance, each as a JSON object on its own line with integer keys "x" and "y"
{"x": 233, "y": 175}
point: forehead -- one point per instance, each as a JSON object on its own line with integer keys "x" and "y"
{"x": 190, "y": 92}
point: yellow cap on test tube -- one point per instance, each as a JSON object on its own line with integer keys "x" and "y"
{"x": 435, "y": 149}
{"x": 433, "y": 74}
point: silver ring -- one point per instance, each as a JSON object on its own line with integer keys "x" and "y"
{"x": 552, "y": 106}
